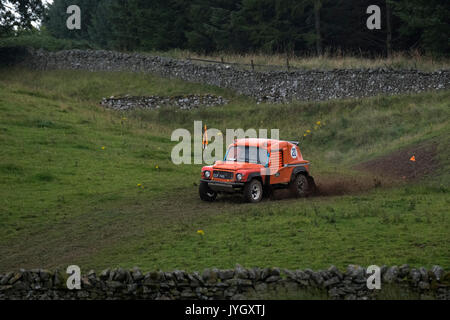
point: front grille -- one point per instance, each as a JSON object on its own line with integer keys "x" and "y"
{"x": 223, "y": 175}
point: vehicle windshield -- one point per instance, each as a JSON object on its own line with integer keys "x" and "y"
{"x": 248, "y": 154}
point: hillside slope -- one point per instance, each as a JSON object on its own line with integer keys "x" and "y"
{"x": 83, "y": 185}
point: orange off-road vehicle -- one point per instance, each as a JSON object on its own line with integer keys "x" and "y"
{"x": 255, "y": 167}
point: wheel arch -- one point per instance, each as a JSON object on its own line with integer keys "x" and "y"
{"x": 299, "y": 170}
{"x": 255, "y": 175}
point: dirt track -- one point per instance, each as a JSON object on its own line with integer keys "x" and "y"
{"x": 384, "y": 171}
{"x": 399, "y": 164}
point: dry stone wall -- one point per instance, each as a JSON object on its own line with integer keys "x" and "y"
{"x": 237, "y": 283}
{"x": 155, "y": 102}
{"x": 273, "y": 86}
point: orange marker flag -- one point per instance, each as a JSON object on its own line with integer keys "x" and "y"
{"x": 413, "y": 159}
{"x": 205, "y": 138}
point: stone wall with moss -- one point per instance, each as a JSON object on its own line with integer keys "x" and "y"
{"x": 270, "y": 86}
{"x": 239, "y": 283}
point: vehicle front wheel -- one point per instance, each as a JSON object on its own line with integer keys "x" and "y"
{"x": 299, "y": 186}
{"x": 206, "y": 193}
{"x": 253, "y": 191}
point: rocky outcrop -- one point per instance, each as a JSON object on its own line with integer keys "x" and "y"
{"x": 237, "y": 283}
{"x": 272, "y": 86}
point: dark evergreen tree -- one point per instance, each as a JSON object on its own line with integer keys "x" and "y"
{"x": 301, "y": 26}
{"x": 19, "y": 15}
{"x": 100, "y": 27}
{"x": 424, "y": 24}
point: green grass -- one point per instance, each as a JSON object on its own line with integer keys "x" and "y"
{"x": 66, "y": 200}
{"x": 302, "y": 234}
{"x": 328, "y": 61}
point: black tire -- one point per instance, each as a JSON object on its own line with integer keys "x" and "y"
{"x": 299, "y": 187}
{"x": 206, "y": 193}
{"x": 253, "y": 191}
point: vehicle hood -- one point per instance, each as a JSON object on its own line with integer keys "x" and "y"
{"x": 233, "y": 165}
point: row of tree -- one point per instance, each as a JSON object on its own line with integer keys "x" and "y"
{"x": 19, "y": 14}
{"x": 301, "y": 26}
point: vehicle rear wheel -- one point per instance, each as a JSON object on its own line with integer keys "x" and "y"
{"x": 253, "y": 191}
{"x": 299, "y": 187}
{"x": 206, "y": 193}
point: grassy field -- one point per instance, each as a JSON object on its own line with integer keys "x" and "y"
{"x": 70, "y": 170}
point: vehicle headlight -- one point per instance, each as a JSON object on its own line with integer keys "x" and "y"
{"x": 207, "y": 174}
{"x": 239, "y": 176}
